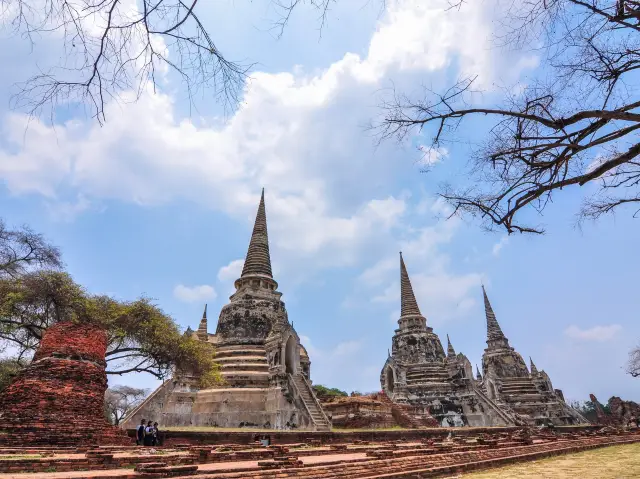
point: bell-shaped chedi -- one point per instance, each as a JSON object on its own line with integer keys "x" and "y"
{"x": 59, "y": 398}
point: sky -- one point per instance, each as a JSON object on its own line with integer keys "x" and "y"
{"x": 161, "y": 200}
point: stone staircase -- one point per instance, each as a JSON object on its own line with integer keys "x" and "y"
{"x": 243, "y": 365}
{"x": 506, "y": 417}
{"x": 519, "y": 386}
{"x": 427, "y": 374}
{"x": 318, "y": 416}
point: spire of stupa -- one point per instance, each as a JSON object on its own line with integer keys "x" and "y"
{"x": 478, "y": 375}
{"x": 258, "y": 261}
{"x": 494, "y": 333}
{"x": 408, "y": 303}
{"x": 450, "y": 350}
{"x": 202, "y": 328}
{"x": 534, "y": 369}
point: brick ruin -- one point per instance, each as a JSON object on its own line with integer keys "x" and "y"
{"x": 374, "y": 411}
{"x": 266, "y": 369}
{"x": 321, "y": 455}
{"x": 418, "y": 372}
{"x": 621, "y": 413}
{"x": 58, "y": 399}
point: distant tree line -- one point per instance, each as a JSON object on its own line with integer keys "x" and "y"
{"x": 323, "y": 391}
{"x": 588, "y": 409}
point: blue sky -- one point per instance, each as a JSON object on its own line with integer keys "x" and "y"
{"x": 161, "y": 202}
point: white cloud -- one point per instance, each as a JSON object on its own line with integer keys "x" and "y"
{"x": 231, "y": 272}
{"x": 377, "y": 273}
{"x": 297, "y": 134}
{"x": 499, "y": 245}
{"x": 431, "y": 156}
{"x": 66, "y": 211}
{"x": 346, "y": 348}
{"x": 441, "y": 294}
{"x": 342, "y": 357}
{"x": 193, "y": 294}
{"x": 596, "y": 333}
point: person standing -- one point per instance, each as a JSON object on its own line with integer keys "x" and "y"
{"x": 148, "y": 434}
{"x": 156, "y": 434}
{"x": 140, "y": 433}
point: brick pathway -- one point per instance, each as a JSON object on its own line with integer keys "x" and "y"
{"x": 406, "y": 462}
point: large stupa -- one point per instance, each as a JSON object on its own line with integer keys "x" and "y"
{"x": 265, "y": 368}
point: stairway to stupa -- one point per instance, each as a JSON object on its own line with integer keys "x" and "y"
{"x": 313, "y": 406}
{"x": 427, "y": 374}
{"x": 243, "y": 365}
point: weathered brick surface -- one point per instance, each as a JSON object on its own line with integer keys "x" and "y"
{"x": 375, "y": 459}
{"x": 176, "y": 438}
{"x": 58, "y": 399}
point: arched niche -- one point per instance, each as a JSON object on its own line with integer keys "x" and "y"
{"x": 390, "y": 380}
{"x": 290, "y": 356}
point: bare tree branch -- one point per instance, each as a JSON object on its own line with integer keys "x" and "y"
{"x": 115, "y": 50}
{"x": 580, "y": 127}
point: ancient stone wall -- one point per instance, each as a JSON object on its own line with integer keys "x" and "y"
{"x": 59, "y": 398}
{"x": 624, "y": 412}
{"x": 248, "y": 320}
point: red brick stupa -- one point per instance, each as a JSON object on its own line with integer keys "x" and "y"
{"x": 59, "y": 398}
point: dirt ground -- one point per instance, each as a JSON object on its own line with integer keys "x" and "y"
{"x": 615, "y": 462}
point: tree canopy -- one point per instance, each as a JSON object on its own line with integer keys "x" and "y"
{"x": 142, "y": 338}
{"x": 116, "y": 47}
{"x": 35, "y": 293}
{"x": 9, "y": 368}
{"x": 22, "y": 250}
{"x": 575, "y": 124}
{"x": 324, "y": 391}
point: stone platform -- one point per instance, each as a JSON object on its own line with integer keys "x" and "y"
{"x": 352, "y": 458}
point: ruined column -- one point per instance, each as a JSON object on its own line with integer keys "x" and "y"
{"x": 59, "y": 398}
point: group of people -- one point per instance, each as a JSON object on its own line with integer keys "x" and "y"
{"x": 147, "y": 434}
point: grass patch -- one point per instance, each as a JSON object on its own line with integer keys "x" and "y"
{"x": 613, "y": 462}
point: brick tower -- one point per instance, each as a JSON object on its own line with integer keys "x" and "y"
{"x": 59, "y": 398}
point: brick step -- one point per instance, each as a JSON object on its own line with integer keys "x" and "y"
{"x": 246, "y": 378}
{"x": 239, "y": 358}
{"x": 225, "y": 353}
{"x": 427, "y": 375}
{"x": 242, "y": 366}
{"x": 246, "y": 372}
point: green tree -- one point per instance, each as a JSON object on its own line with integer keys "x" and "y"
{"x": 9, "y": 368}
{"x": 142, "y": 338}
{"x": 323, "y": 391}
